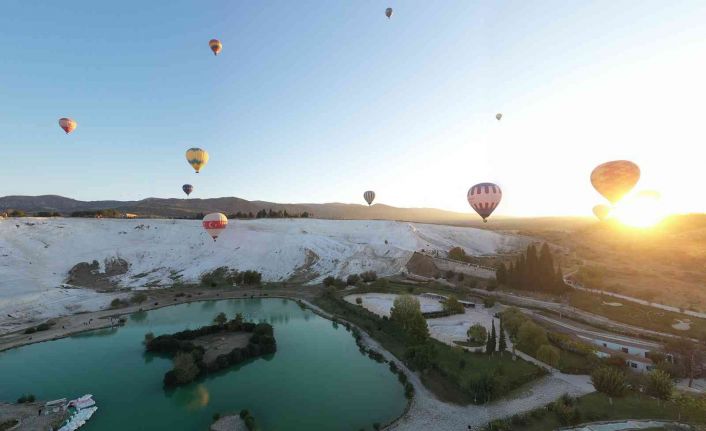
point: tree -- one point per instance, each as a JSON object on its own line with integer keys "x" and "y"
{"x": 457, "y": 253}
{"x": 610, "y": 381}
{"x": 407, "y": 313}
{"x": 689, "y": 357}
{"x": 660, "y": 385}
{"x": 451, "y": 305}
{"x": 138, "y": 298}
{"x": 352, "y": 279}
{"x": 501, "y": 274}
{"x": 421, "y": 356}
{"x": 502, "y": 343}
{"x": 368, "y": 276}
{"x": 185, "y": 368}
{"x": 477, "y": 334}
{"x": 418, "y": 329}
{"x": 220, "y": 319}
{"x": 492, "y": 340}
{"x": 531, "y": 337}
{"x": 549, "y": 355}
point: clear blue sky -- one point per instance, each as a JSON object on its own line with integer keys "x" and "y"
{"x": 317, "y": 101}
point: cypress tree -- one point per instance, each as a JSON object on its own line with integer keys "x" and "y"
{"x": 532, "y": 268}
{"x": 547, "y": 278}
{"x": 501, "y": 274}
{"x": 492, "y": 340}
{"x": 502, "y": 345}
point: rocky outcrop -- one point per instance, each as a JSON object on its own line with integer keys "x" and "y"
{"x": 89, "y": 275}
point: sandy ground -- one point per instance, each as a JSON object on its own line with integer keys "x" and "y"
{"x": 381, "y": 303}
{"x": 218, "y": 344}
{"x": 229, "y": 423}
{"x": 27, "y": 415}
{"x": 445, "y": 329}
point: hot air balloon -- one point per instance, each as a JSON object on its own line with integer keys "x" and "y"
{"x": 615, "y": 179}
{"x": 388, "y": 12}
{"x": 67, "y": 124}
{"x": 601, "y": 211}
{"x": 369, "y": 197}
{"x": 216, "y": 46}
{"x": 197, "y": 158}
{"x": 188, "y": 188}
{"x": 484, "y": 198}
{"x": 214, "y": 224}
{"x": 498, "y": 116}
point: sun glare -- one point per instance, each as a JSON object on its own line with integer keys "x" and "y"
{"x": 642, "y": 210}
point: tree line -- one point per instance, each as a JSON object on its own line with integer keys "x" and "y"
{"x": 533, "y": 270}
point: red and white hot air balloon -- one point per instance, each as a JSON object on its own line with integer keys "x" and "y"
{"x": 67, "y": 124}
{"x": 214, "y": 224}
{"x": 484, "y": 198}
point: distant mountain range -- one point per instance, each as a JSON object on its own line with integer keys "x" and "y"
{"x": 156, "y": 207}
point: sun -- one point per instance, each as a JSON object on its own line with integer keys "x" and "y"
{"x": 641, "y": 210}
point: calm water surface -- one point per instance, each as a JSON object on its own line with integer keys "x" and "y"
{"x": 317, "y": 380}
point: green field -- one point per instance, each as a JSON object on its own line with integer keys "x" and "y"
{"x": 597, "y": 407}
{"x": 635, "y": 314}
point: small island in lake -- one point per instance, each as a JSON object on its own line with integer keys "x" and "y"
{"x": 211, "y": 348}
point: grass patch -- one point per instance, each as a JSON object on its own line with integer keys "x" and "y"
{"x": 631, "y": 313}
{"x": 596, "y": 407}
{"x": 455, "y": 374}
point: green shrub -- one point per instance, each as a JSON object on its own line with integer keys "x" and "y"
{"x": 368, "y": 276}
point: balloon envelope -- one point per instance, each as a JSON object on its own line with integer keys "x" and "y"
{"x": 498, "y": 116}
{"x": 388, "y": 12}
{"x": 67, "y": 124}
{"x": 615, "y": 179}
{"x": 484, "y": 198}
{"x": 369, "y": 197}
{"x": 601, "y": 211}
{"x": 214, "y": 224}
{"x": 216, "y": 46}
{"x": 197, "y": 158}
{"x": 188, "y": 188}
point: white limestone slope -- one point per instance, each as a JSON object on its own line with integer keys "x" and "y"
{"x": 36, "y": 254}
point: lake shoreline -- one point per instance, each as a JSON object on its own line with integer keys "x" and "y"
{"x": 78, "y": 323}
{"x": 102, "y": 319}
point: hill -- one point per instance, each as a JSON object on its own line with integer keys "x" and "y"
{"x": 187, "y": 208}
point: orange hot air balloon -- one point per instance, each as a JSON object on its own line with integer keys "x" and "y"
{"x": 216, "y": 46}
{"x": 615, "y": 179}
{"x": 214, "y": 224}
{"x": 601, "y": 211}
{"x": 67, "y": 124}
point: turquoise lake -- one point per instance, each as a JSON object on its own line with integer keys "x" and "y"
{"x": 317, "y": 380}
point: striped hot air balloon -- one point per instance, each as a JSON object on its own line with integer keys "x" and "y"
{"x": 601, "y": 211}
{"x": 214, "y": 224}
{"x": 369, "y": 197}
{"x": 615, "y": 179}
{"x": 67, "y": 124}
{"x": 197, "y": 158}
{"x": 216, "y": 46}
{"x": 484, "y": 198}
{"x": 188, "y": 188}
